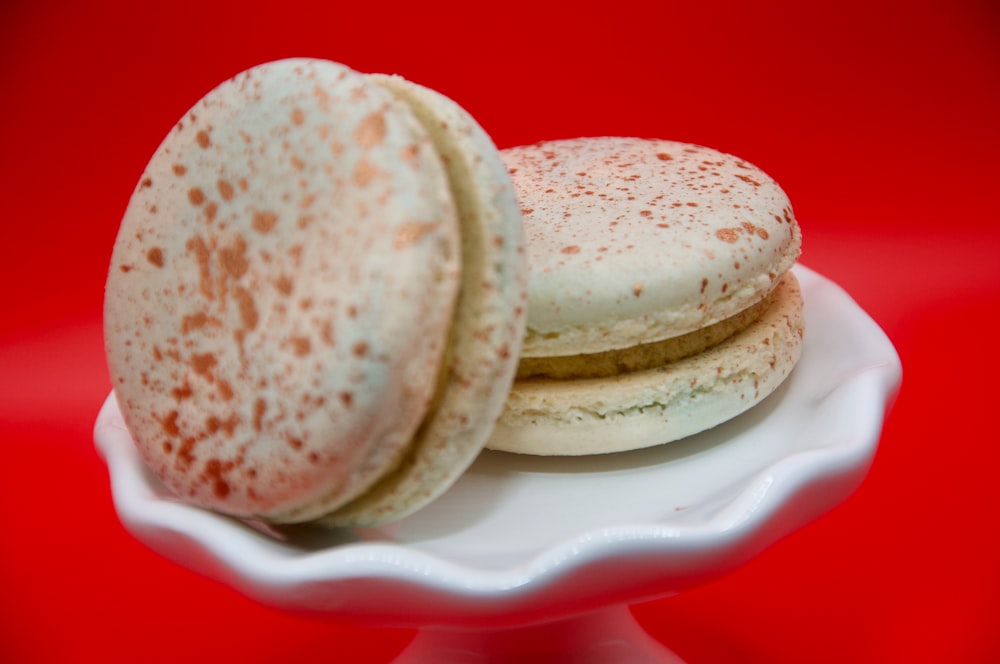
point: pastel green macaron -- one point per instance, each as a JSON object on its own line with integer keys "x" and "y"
{"x": 660, "y": 299}
{"x": 315, "y": 302}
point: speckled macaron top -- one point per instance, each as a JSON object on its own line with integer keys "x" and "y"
{"x": 281, "y": 292}
{"x": 633, "y": 241}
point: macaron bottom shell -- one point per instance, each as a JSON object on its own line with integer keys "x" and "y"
{"x": 489, "y": 321}
{"x": 658, "y": 405}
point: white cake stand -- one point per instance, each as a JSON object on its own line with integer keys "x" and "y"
{"x": 540, "y": 557}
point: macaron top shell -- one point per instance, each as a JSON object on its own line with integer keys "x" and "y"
{"x": 636, "y": 240}
{"x": 281, "y": 292}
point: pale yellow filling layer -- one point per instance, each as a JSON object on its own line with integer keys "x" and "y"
{"x": 643, "y": 356}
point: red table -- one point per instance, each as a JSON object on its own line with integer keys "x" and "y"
{"x": 881, "y": 120}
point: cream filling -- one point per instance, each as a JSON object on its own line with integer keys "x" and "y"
{"x": 657, "y": 405}
{"x": 643, "y": 356}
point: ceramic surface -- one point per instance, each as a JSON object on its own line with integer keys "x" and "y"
{"x": 519, "y": 539}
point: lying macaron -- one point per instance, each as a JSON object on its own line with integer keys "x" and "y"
{"x": 315, "y": 303}
{"x": 660, "y": 298}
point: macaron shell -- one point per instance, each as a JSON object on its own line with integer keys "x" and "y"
{"x": 489, "y": 322}
{"x": 632, "y": 240}
{"x": 281, "y": 290}
{"x": 655, "y": 406}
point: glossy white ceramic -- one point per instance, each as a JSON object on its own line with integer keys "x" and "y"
{"x": 520, "y": 540}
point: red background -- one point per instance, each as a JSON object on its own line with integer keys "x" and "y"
{"x": 879, "y": 118}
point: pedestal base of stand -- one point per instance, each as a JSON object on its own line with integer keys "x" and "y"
{"x": 608, "y": 636}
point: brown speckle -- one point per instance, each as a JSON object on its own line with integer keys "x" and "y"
{"x": 225, "y": 390}
{"x": 193, "y": 322}
{"x": 169, "y": 424}
{"x": 360, "y": 349}
{"x": 225, "y": 190}
{"x": 326, "y": 333}
{"x": 228, "y": 426}
{"x": 182, "y": 392}
{"x": 155, "y": 256}
{"x": 202, "y": 363}
{"x": 729, "y": 235}
{"x": 259, "y": 408}
{"x": 371, "y": 130}
{"x": 571, "y": 249}
{"x": 196, "y": 196}
{"x": 263, "y": 222}
{"x": 197, "y": 246}
{"x": 284, "y": 284}
{"x": 637, "y": 290}
{"x": 301, "y": 346}
{"x": 411, "y": 233}
{"x": 214, "y": 470}
{"x": 203, "y": 139}
{"x": 180, "y": 169}
{"x": 184, "y": 454}
{"x": 248, "y": 308}
{"x": 233, "y": 258}
{"x": 298, "y": 117}
{"x": 364, "y": 173}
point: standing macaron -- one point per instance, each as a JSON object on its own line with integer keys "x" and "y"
{"x": 660, "y": 298}
{"x": 315, "y": 303}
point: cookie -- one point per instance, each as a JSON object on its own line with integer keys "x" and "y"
{"x": 660, "y": 299}
{"x": 290, "y": 278}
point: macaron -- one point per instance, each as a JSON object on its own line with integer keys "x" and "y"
{"x": 316, "y": 299}
{"x": 660, "y": 299}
